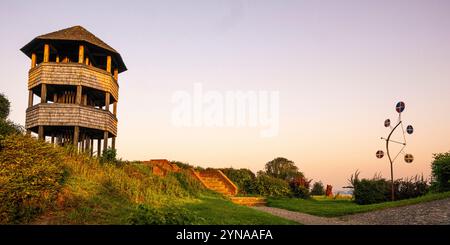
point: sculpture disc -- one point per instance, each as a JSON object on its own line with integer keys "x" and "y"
{"x": 409, "y": 129}
{"x": 409, "y": 158}
{"x": 380, "y": 154}
{"x": 400, "y": 107}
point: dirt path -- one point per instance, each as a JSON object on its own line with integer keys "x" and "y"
{"x": 429, "y": 213}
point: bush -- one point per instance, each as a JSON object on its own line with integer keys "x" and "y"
{"x": 266, "y": 185}
{"x": 171, "y": 215}
{"x": 368, "y": 191}
{"x": 440, "y": 171}
{"x": 410, "y": 187}
{"x": 378, "y": 189}
{"x": 318, "y": 189}
{"x": 109, "y": 156}
{"x": 30, "y": 178}
{"x": 243, "y": 178}
{"x": 8, "y": 127}
{"x": 300, "y": 187}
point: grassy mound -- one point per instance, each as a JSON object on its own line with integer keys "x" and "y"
{"x": 31, "y": 175}
{"x": 45, "y": 184}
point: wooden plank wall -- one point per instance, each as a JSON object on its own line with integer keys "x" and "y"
{"x": 57, "y": 114}
{"x": 73, "y": 74}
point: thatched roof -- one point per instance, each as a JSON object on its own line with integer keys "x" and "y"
{"x": 75, "y": 33}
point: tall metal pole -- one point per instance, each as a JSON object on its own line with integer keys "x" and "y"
{"x": 390, "y": 160}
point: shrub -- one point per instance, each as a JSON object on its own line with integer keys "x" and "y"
{"x": 243, "y": 178}
{"x": 440, "y": 170}
{"x": 170, "y": 215}
{"x": 300, "y": 187}
{"x": 378, "y": 189}
{"x": 266, "y": 185}
{"x": 318, "y": 189}
{"x": 8, "y": 127}
{"x": 109, "y": 156}
{"x": 410, "y": 187}
{"x": 368, "y": 191}
{"x": 30, "y": 178}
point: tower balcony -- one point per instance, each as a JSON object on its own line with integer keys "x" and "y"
{"x": 73, "y": 74}
{"x": 59, "y": 114}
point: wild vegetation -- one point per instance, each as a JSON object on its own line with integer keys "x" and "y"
{"x": 281, "y": 178}
{"x": 378, "y": 189}
{"x": 46, "y": 184}
{"x": 318, "y": 189}
{"x": 440, "y": 169}
{"x": 330, "y": 207}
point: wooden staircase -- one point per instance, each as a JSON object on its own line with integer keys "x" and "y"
{"x": 216, "y": 181}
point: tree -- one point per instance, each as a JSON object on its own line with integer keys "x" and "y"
{"x": 318, "y": 189}
{"x": 282, "y": 168}
{"x": 440, "y": 170}
{"x": 4, "y": 107}
{"x": 7, "y": 126}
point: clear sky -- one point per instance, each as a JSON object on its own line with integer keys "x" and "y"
{"x": 339, "y": 67}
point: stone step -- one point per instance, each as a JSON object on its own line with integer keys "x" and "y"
{"x": 249, "y": 201}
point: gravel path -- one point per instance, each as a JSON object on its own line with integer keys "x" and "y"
{"x": 429, "y": 213}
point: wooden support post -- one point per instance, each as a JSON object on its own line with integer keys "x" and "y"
{"x": 88, "y": 145}
{"x": 33, "y": 60}
{"x": 53, "y": 138}
{"x": 43, "y": 93}
{"x": 46, "y": 53}
{"x": 41, "y": 133}
{"x": 108, "y": 63}
{"x": 115, "y": 108}
{"x": 30, "y": 98}
{"x": 105, "y": 140}
{"x": 113, "y": 142}
{"x": 79, "y": 92}
{"x": 116, "y": 74}
{"x": 82, "y": 143}
{"x": 85, "y": 99}
{"x": 92, "y": 148}
{"x": 76, "y": 134}
{"x": 81, "y": 54}
{"x": 87, "y": 61}
{"x": 55, "y": 97}
{"x": 107, "y": 95}
{"x": 99, "y": 147}
{"x": 57, "y": 59}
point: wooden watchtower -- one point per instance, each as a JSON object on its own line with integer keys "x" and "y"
{"x": 75, "y": 74}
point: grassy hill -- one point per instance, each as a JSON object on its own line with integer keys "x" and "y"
{"x": 45, "y": 184}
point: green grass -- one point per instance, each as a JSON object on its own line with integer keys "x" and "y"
{"x": 332, "y": 208}
{"x": 43, "y": 184}
{"x": 216, "y": 210}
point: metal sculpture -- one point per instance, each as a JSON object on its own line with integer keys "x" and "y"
{"x": 400, "y": 107}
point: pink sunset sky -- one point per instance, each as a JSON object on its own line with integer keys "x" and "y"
{"x": 339, "y": 68}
